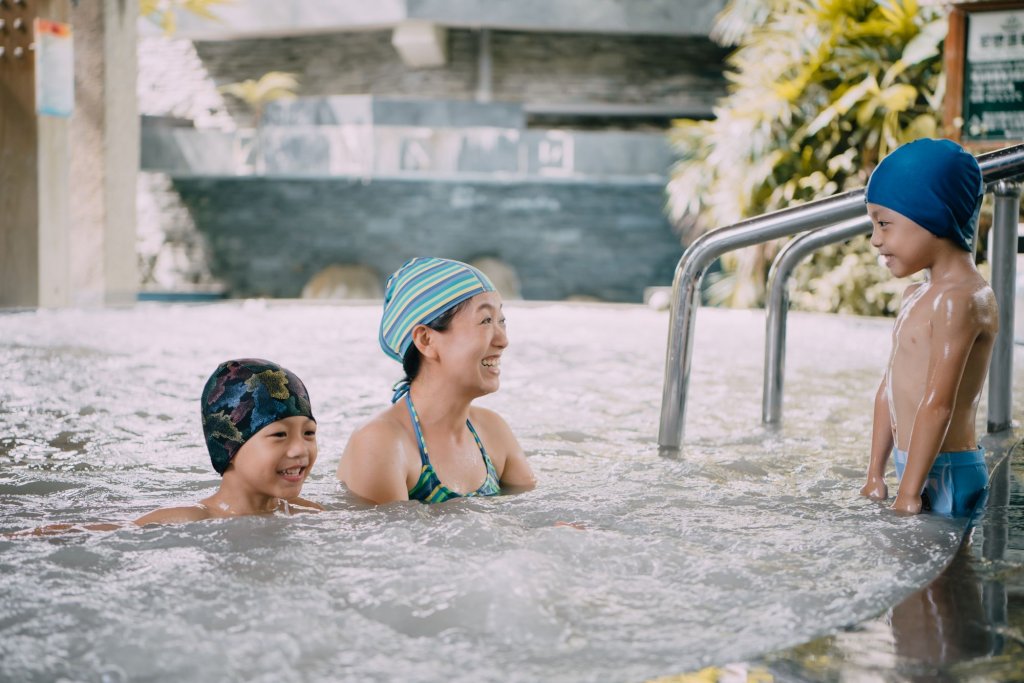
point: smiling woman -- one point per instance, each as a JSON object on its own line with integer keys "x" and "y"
{"x": 443, "y": 321}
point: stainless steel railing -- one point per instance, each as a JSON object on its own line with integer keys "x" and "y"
{"x": 1003, "y": 259}
{"x": 777, "y": 304}
{"x": 846, "y": 209}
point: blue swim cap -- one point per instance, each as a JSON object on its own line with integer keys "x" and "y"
{"x": 935, "y": 183}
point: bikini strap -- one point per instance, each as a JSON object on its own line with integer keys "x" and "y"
{"x": 424, "y": 458}
{"x": 415, "y": 418}
{"x": 483, "y": 451}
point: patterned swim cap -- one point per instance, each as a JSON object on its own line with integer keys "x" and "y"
{"x": 420, "y": 292}
{"x": 935, "y": 183}
{"x": 242, "y": 397}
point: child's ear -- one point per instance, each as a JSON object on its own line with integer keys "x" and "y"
{"x": 423, "y": 338}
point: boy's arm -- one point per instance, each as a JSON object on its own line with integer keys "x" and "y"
{"x": 178, "y": 515}
{"x": 57, "y": 529}
{"x": 955, "y": 328}
{"x": 881, "y": 445}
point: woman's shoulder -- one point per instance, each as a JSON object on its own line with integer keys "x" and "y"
{"x": 488, "y": 419}
{"x": 378, "y": 444}
{"x": 495, "y": 433}
{"x": 384, "y": 428}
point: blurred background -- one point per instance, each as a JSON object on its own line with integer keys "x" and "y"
{"x": 569, "y": 148}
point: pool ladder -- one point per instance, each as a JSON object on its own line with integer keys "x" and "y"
{"x": 824, "y": 222}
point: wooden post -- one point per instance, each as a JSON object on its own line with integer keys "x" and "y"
{"x": 34, "y": 198}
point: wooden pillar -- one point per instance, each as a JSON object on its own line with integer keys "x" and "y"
{"x": 34, "y": 198}
{"x": 67, "y": 186}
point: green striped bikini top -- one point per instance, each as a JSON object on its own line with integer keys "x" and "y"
{"x": 428, "y": 488}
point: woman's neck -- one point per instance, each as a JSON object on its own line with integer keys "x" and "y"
{"x": 439, "y": 404}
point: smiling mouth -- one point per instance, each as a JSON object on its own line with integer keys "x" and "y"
{"x": 491, "y": 362}
{"x": 293, "y": 472}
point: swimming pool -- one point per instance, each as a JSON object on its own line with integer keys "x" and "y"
{"x": 753, "y": 541}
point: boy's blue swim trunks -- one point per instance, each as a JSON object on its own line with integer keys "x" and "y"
{"x": 956, "y": 483}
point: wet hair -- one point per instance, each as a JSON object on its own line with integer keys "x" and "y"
{"x": 412, "y": 359}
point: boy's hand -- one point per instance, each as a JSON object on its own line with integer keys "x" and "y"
{"x": 907, "y": 504}
{"x": 875, "y": 488}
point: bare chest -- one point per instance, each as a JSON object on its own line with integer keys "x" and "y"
{"x": 912, "y": 339}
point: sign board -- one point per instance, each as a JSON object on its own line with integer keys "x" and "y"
{"x": 55, "y": 68}
{"x": 985, "y": 74}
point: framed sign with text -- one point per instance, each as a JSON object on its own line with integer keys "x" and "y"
{"x": 984, "y": 63}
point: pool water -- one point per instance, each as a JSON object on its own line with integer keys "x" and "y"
{"x": 753, "y": 541}
{"x": 966, "y": 625}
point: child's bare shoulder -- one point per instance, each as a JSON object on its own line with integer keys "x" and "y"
{"x": 176, "y": 515}
{"x": 969, "y": 300}
{"x": 303, "y": 505}
{"x": 911, "y": 288}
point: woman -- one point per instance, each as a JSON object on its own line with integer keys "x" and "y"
{"x": 443, "y": 321}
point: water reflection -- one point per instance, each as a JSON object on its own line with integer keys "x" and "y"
{"x": 964, "y": 625}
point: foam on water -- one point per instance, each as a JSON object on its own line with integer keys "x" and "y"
{"x": 751, "y": 541}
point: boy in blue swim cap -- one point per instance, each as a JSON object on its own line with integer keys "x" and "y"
{"x": 923, "y": 200}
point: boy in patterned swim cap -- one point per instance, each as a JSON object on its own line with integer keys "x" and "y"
{"x": 923, "y": 200}
{"x": 261, "y": 435}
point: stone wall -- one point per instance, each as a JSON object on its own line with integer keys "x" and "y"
{"x": 530, "y": 68}
{"x": 588, "y": 236}
{"x": 268, "y": 237}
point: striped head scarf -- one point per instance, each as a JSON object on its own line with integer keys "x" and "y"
{"x": 935, "y": 183}
{"x": 420, "y": 292}
{"x": 242, "y": 397}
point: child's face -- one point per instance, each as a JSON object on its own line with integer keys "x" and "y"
{"x": 276, "y": 460}
{"x": 905, "y": 246}
{"x": 473, "y": 344}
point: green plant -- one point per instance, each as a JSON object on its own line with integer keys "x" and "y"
{"x": 819, "y": 91}
{"x": 257, "y": 93}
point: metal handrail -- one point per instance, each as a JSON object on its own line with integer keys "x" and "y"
{"x": 1003, "y": 259}
{"x": 999, "y": 165}
{"x": 777, "y": 304}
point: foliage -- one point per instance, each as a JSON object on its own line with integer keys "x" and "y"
{"x": 164, "y": 12}
{"x": 819, "y": 91}
{"x": 274, "y": 85}
{"x": 257, "y": 93}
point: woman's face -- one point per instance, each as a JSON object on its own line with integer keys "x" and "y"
{"x": 470, "y": 349}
